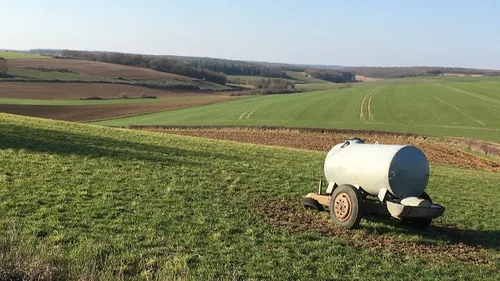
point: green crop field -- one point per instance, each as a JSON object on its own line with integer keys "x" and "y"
{"x": 15, "y": 55}
{"x": 318, "y": 86}
{"x": 441, "y": 108}
{"x": 84, "y": 202}
{"x": 51, "y": 75}
{"x": 301, "y": 76}
{"x": 96, "y": 102}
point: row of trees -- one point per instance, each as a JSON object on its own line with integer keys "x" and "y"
{"x": 158, "y": 63}
{"x": 268, "y": 86}
{"x": 415, "y": 71}
{"x": 238, "y": 68}
{"x": 336, "y": 76}
{"x": 211, "y": 69}
{"x": 3, "y": 67}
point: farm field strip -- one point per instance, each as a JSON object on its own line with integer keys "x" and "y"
{"x": 95, "y": 112}
{"x": 93, "y": 68}
{"x": 16, "y": 55}
{"x": 100, "y": 102}
{"x": 77, "y": 91}
{"x": 438, "y": 152}
{"x": 424, "y": 108}
{"x": 29, "y": 73}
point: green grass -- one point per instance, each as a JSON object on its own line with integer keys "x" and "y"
{"x": 87, "y": 202}
{"x": 94, "y": 102}
{"x": 318, "y": 86}
{"x": 301, "y": 76}
{"x": 15, "y": 55}
{"x": 467, "y": 109}
{"x": 50, "y": 75}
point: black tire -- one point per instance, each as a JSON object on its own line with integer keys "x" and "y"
{"x": 422, "y": 223}
{"x": 312, "y": 204}
{"x": 346, "y": 206}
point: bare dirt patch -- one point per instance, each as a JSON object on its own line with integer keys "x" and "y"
{"x": 455, "y": 244}
{"x": 82, "y": 113}
{"x": 93, "y": 68}
{"x": 366, "y": 79}
{"x": 72, "y": 91}
{"x": 322, "y": 140}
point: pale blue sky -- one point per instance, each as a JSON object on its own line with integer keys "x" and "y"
{"x": 374, "y": 33}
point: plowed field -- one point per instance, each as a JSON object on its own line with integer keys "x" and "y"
{"x": 94, "y": 68}
{"x": 437, "y": 152}
{"x": 71, "y": 91}
{"x": 81, "y": 113}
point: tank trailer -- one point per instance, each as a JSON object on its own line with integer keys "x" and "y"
{"x": 375, "y": 179}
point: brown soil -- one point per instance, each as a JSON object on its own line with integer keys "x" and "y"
{"x": 72, "y": 91}
{"x": 437, "y": 152}
{"x": 366, "y": 79}
{"x": 455, "y": 244}
{"x": 93, "y": 68}
{"x": 99, "y": 112}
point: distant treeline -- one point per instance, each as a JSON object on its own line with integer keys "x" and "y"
{"x": 336, "y": 76}
{"x": 416, "y": 71}
{"x": 153, "y": 62}
{"x": 237, "y": 68}
{"x": 210, "y": 69}
{"x": 269, "y": 86}
{"x": 3, "y": 66}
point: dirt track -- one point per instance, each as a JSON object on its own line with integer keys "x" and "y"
{"x": 81, "y": 113}
{"x": 72, "y": 91}
{"x": 437, "y": 152}
{"x": 93, "y": 68}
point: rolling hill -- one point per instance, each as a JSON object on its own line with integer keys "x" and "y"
{"x": 433, "y": 106}
{"x": 85, "y": 202}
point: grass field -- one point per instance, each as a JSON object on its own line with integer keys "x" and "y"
{"x": 14, "y": 55}
{"x": 51, "y": 75}
{"x": 469, "y": 109}
{"x": 301, "y": 76}
{"x": 318, "y": 86}
{"x": 82, "y": 202}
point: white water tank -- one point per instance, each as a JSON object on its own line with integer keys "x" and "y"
{"x": 401, "y": 169}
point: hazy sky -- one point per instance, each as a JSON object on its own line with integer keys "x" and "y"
{"x": 375, "y": 33}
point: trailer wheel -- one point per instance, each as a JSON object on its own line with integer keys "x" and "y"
{"x": 346, "y": 206}
{"x": 311, "y": 204}
{"x": 422, "y": 223}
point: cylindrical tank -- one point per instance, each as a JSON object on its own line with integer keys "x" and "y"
{"x": 402, "y": 170}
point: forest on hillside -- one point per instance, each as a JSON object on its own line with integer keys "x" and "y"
{"x": 416, "y": 71}
{"x": 214, "y": 69}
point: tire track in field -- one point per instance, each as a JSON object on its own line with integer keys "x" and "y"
{"x": 472, "y": 94}
{"x": 243, "y": 114}
{"x": 250, "y": 112}
{"x": 370, "y": 116}
{"x": 369, "y": 95}
{"x": 449, "y": 104}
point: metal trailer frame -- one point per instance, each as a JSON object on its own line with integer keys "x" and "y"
{"x": 387, "y": 205}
